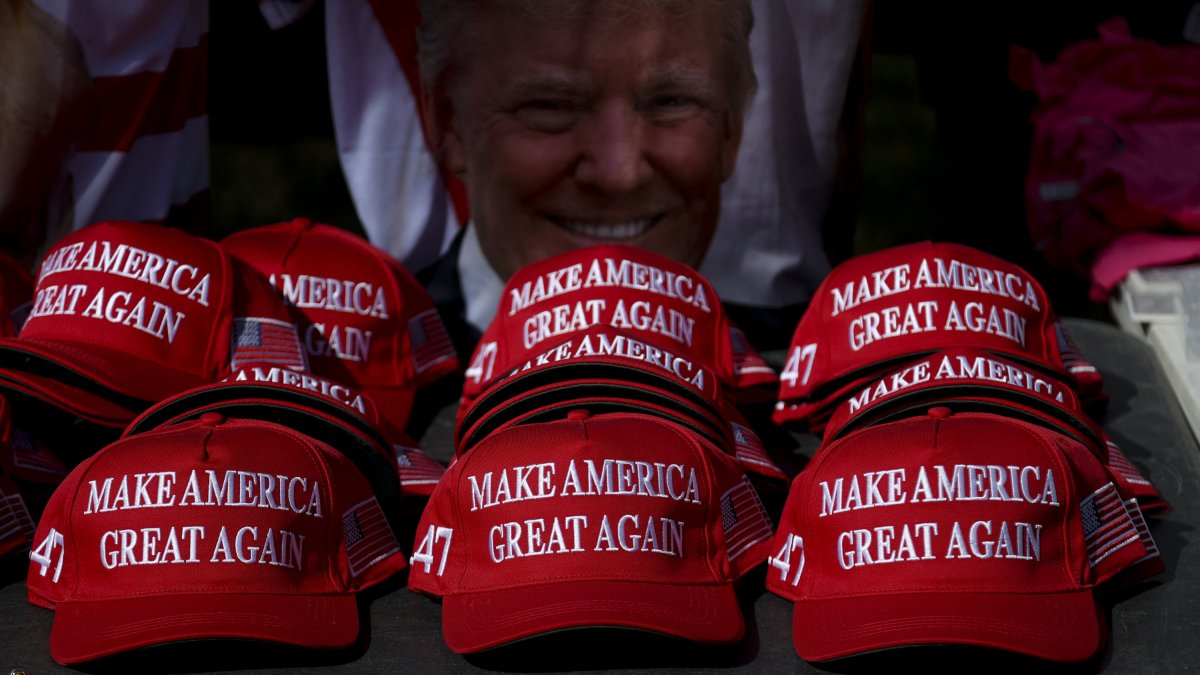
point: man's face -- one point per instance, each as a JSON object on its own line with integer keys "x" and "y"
{"x": 618, "y": 127}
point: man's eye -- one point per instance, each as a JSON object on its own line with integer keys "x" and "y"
{"x": 671, "y": 107}
{"x": 671, "y": 101}
{"x": 547, "y": 114}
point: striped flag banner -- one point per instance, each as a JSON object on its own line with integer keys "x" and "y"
{"x": 270, "y": 340}
{"x": 416, "y": 467}
{"x": 743, "y": 518}
{"x": 1107, "y": 527}
{"x": 369, "y": 537}
{"x": 430, "y": 341}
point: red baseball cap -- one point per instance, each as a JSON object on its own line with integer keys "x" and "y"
{"x": 902, "y": 302}
{"x": 131, "y": 313}
{"x": 181, "y": 533}
{"x": 616, "y": 520}
{"x": 658, "y": 300}
{"x": 976, "y": 380}
{"x": 954, "y": 528}
{"x": 368, "y": 322}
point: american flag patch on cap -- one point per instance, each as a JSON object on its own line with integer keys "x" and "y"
{"x": 1107, "y": 526}
{"x": 743, "y": 518}
{"x": 14, "y": 514}
{"x": 430, "y": 341}
{"x": 745, "y": 358}
{"x": 266, "y": 340}
{"x": 1072, "y": 360}
{"x": 416, "y": 467}
{"x": 1120, "y": 464}
{"x": 30, "y": 456}
{"x": 750, "y": 451}
{"x": 1143, "y": 530}
{"x": 369, "y": 537}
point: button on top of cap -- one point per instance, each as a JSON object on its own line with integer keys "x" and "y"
{"x": 211, "y": 419}
{"x": 579, "y": 414}
{"x": 940, "y": 412}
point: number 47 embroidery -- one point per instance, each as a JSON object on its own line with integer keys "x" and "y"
{"x": 782, "y": 561}
{"x": 44, "y": 554}
{"x": 425, "y": 552}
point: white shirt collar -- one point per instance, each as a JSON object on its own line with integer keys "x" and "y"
{"x": 481, "y": 286}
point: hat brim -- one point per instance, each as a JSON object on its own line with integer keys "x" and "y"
{"x": 1066, "y": 627}
{"x": 196, "y": 400}
{"x": 129, "y": 378}
{"x": 973, "y": 397}
{"x": 473, "y": 622}
{"x": 87, "y": 405}
{"x": 91, "y": 629}
{"x": 592, "y": 371}
{"x": 538, "y": 405}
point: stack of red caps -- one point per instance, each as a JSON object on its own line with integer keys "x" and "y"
{"x": 600, "y": 474}
{"x": 307, "y": 404}
{"x": 367, "y": 322}
{"x": 962, "y": 494}
{"x": 595, "y": 365}
{"x": 211, "y": 528}
{"x": 126, "y": 314}
{"x": 621, "y": 520}
{"x": 955, "y": 527}
{"x": 123, "y": 315}
{"x": 368, "y": 327}
{"x": 659, "y": 301}
{"x": 976, "y": 380}
{"x": 875, "y": 311}
{"x": 616, "y": 329}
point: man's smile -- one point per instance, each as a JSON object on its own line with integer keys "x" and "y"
{"x": 606, "y": 229}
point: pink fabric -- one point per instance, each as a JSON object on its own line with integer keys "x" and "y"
{"x": 1116, "y": 143}
{"x": 1136, "y": 250}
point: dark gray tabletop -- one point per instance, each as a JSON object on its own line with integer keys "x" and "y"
{"x": 1155, "y": 627}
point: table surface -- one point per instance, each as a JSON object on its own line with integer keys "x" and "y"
{"x": 1155, "y": 628}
